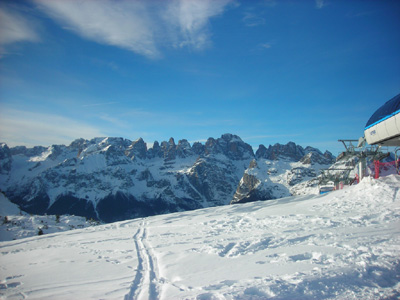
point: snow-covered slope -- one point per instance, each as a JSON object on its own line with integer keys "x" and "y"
{"x": 113, "y": 179}
{"x": 342, "y": 245}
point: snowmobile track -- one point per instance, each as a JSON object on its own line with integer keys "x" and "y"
{"x": 145, "y": 285}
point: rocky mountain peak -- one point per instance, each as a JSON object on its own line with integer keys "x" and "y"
{"x": 261, "y": 151}
{"x": 210, "y": 145}
{"x": 183, "y": 148}
{"x": 228, "y": 137}
{"x": 309, "y": 149}
{"x": 314, "y": 156}
{"x": 171, "y": 142}
{"x": 154, "y": 151}
{"x": 184, "y": 144}
{"x": 78, "y": 143}
{"x": 168, "y": 149}
{"x": 289, "y": 151}
{"x": 229, "y": 145}
{"x": 198, "y": 148}
{"x": 330, "y": 156}
{"x": 137, "y": 149}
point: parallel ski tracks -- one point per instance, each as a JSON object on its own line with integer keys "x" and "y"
{"x": 146, "y": 284}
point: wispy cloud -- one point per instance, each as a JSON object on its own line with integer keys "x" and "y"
{"x": 266, "y": 45}
{"x": 320, "y": 3}
{"x": 252, "y": 19}
{"x": 359, "y": 14}
{"x": 124, "y": 24}
{"x": 115, "y": 122}
{"x": 15, "y": 28}
{"x": 27, "y": 128}
{"x": 190, "y": 19}
{"x": 143, "y": 27}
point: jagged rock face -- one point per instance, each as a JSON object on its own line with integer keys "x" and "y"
{"x": 255, "y": 185}
{"x": 155, "y": 151}
{"x": 137, "y": 149}
{"x": 289, "y": 151}
{"x": 27, "y": 151}
{"x": 170, "y": 151}
{"x": 198, "y": 148}
{"x": 293, "y": 152}
{"x": 231, "y": 146}
{"x": 248, "y": 190}
{"x": 330, "y": 157}
{"x": 215, "y": 180}
{"x": 314, "y": 156}
{"x": 261, "y": 152}
{"x": 184, "y": 149}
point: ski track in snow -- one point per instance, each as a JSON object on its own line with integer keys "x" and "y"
{"x": 146, "y": 284}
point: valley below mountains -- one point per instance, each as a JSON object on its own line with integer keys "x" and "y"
{"x": 113, "y": 179}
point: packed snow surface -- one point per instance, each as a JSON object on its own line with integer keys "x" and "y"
{"x": 342, "y": 245}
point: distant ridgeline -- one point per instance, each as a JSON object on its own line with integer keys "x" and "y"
{"x": 112, "y": 179}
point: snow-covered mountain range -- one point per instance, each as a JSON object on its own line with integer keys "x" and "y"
{"x": 112, "y": 179}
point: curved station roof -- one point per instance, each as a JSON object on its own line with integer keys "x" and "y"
{"x": 384, "y": 125}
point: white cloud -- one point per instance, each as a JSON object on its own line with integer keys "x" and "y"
{"x": 266, "y": 45}
{"x": 252, "y": 19}
{"x": 139, "y": 26}
{"x": 15, "y": 28}
{"x": 191, "y": 20}
{"x": 124, "y": 24}
{"x": 32, "y": 129}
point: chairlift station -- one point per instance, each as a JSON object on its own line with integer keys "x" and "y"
{"x": 382, "y": 129}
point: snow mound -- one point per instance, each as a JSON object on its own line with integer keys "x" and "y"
{"x": 341, "y": 245}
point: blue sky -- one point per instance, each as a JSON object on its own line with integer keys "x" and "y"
{"x": 271, "y": 72}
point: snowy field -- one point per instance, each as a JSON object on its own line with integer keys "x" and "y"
{"x": 342, "y": 245}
